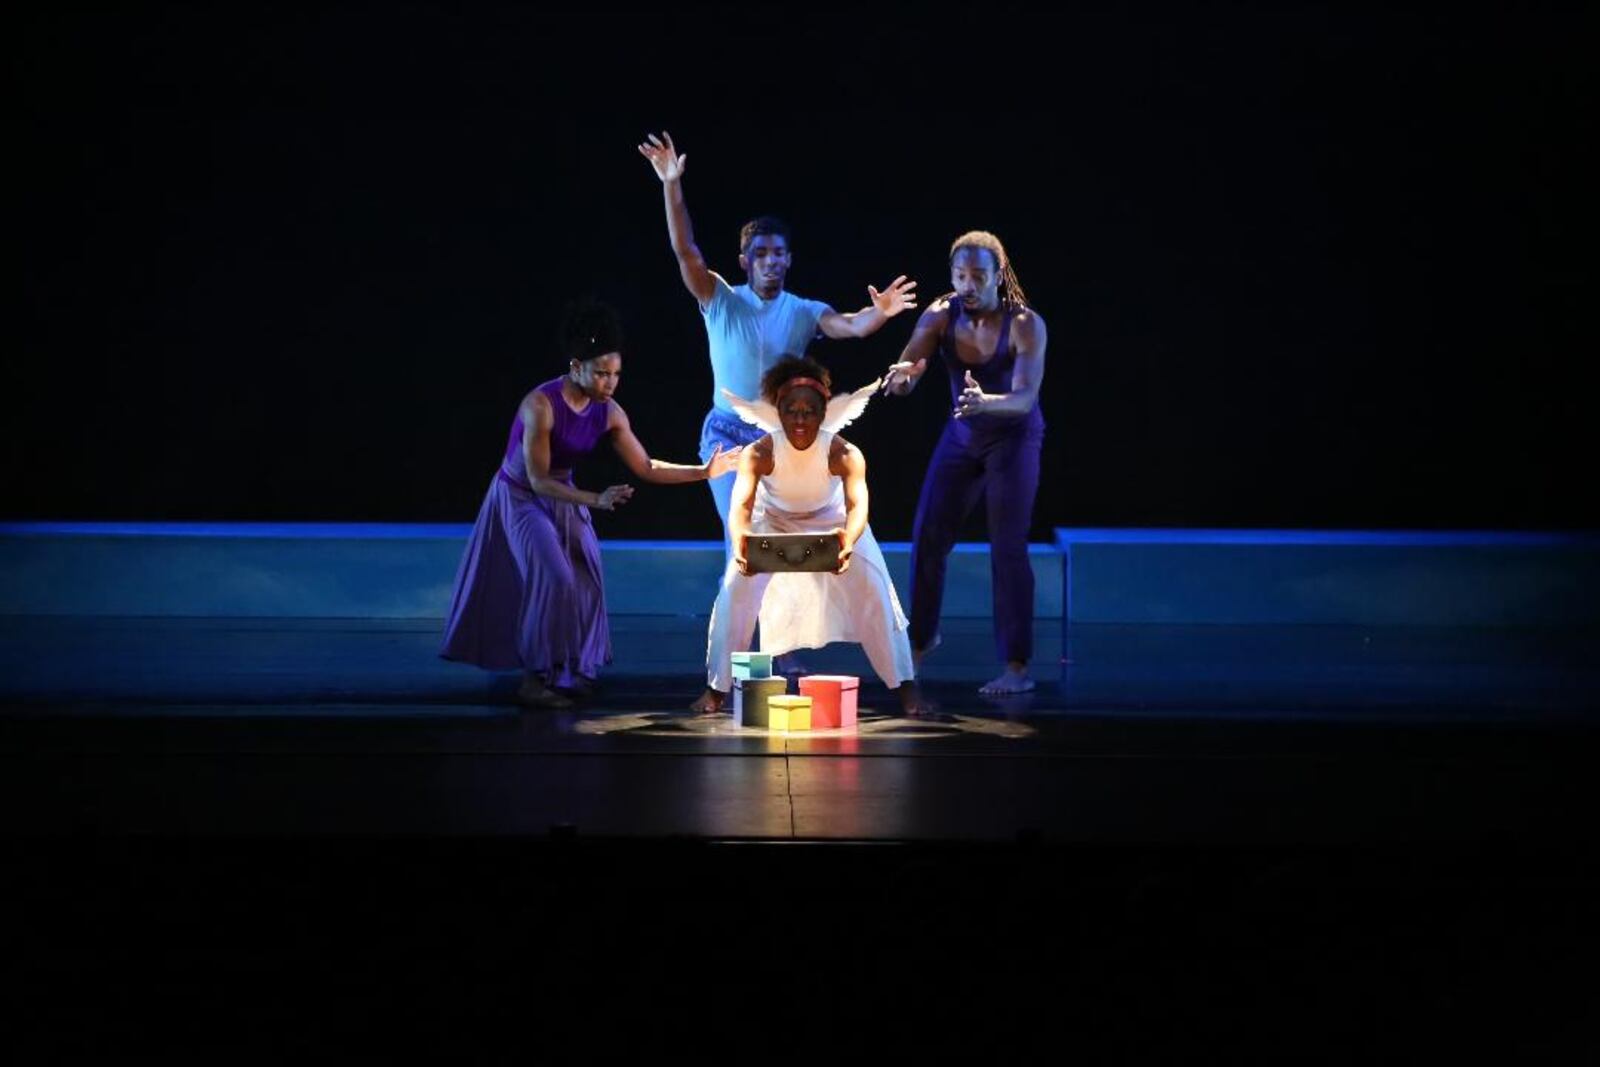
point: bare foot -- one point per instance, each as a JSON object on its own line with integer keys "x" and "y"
{"x": 1014, "y": 680}
{"x": 533, "y": 693}
{"x": 789, "y": 663}
{"x": 581, "y": 689}
{"x": 913, "y": 705}
{"x": 710, "y": 702}
{"x": 918, "y": 653}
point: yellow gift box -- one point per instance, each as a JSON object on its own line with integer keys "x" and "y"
{"x": 788, "y": 713}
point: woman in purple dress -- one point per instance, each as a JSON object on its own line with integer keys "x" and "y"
{"x": 529, "y": 592}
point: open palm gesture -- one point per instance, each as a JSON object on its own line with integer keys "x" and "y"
{"x": 722, "y": 462}
{"x": 973, "y": 399}
{"x": 900, "y": 295}
{"x": 663, "y": 156}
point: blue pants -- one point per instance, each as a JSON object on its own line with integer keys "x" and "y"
{"x": 998, "y": 461}
{"x": 729, "y": 431}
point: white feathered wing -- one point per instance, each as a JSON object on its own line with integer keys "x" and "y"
{"x": 847, "y": 407}
{"x": 841, "y": 412}
{"x": 757, "y": 413}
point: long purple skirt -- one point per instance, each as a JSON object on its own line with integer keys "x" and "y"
{"x": 529, "y": 593}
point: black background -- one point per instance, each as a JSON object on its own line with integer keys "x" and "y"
{"x": 1300, "y": 268}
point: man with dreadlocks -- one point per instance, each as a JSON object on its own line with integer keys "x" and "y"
{"x": 992, "y": 346}
{"x": 800, "y": 477}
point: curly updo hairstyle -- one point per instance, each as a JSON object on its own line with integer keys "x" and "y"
{"x": 590, "y": 328}
{"x": 792, "y": 367}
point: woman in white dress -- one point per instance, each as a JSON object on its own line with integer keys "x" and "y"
{"x": 803, "y": 478}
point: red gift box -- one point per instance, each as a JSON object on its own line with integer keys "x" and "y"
{"x": 833, "y": 700}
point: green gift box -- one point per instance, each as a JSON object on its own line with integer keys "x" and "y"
{"x": 750, "y": 699}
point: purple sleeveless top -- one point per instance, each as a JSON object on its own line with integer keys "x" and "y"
{"x": 992, "y": 377}
{"x": 573, "y": 435}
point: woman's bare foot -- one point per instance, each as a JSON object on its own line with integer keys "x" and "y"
{"x": 581, "y": 689}
{"x": 1014, "y": 680}
{"x": 710, "y": 703}
{"x": 533, "y": 693}
{"x": 913, "y": 705}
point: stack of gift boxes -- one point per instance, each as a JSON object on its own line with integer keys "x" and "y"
{"x": 825, "y": 701}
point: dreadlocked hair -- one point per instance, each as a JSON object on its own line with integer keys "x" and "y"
{"x": 590, "y": 328}
{"x": 791, "y": 367}
{"x": 1010, "y": 288}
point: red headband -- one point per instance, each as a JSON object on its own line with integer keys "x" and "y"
{"x": 795, "y": 383}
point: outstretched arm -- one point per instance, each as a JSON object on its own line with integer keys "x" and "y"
{"x": 537, "y": 418}
{"x": 884, "y": 306}
{"x": 669, "y": 165}
{"x": 659, "y": 471}
{"x": 848, "y": 463}
{"x": 753, "y": 463}
{"x": 904, "y": 375}
{"x": 1028, "y": 335}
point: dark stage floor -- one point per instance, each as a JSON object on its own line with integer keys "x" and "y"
{"x": 1179, "y": 828}
{"x": 1148, "y": 735}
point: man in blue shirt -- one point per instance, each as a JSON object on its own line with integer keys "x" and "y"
{"x": 750, "y": 327}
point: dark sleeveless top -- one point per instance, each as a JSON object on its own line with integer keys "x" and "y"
{"x": 993, "y": 376}
{"x": 573, "y": 435}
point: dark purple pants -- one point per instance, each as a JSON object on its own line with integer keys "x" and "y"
{"x": 1000, "y": 463}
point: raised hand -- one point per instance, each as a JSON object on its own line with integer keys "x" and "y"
{"x": 663, "y": 157}
{"x": 614, "y": 497}
{"x": 722, "y": 462}
{"x": 900, "y": 295}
